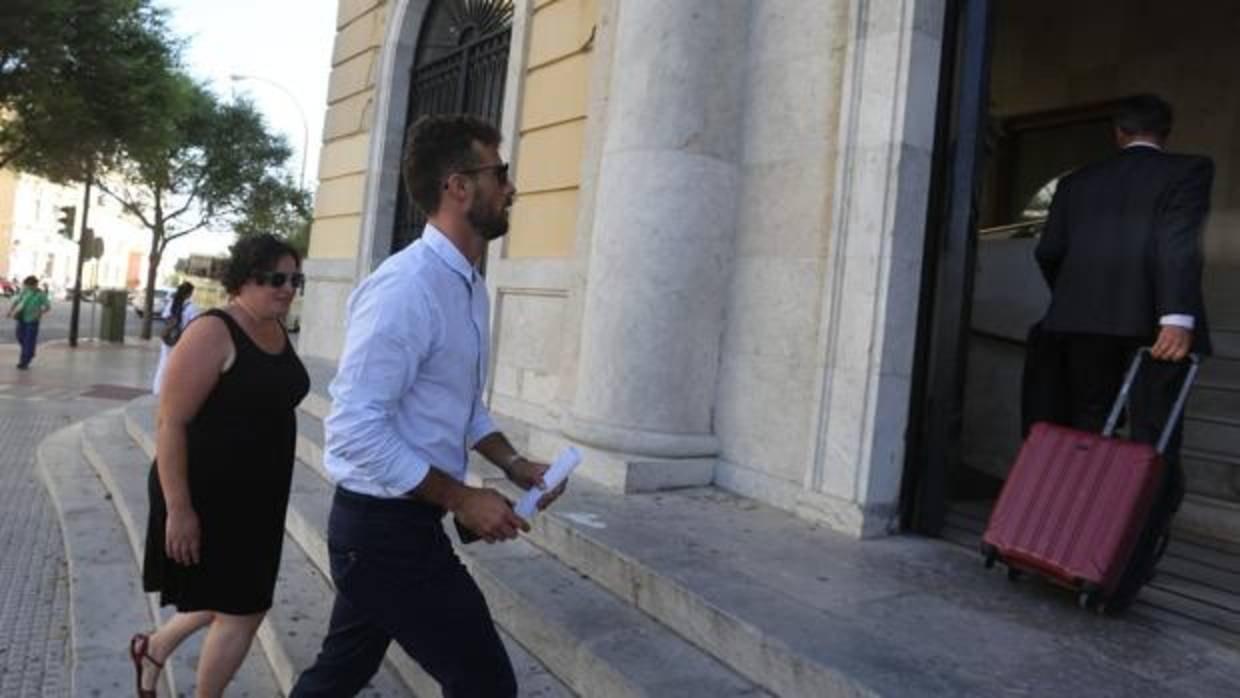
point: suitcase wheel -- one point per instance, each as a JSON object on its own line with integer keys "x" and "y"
{"x": 990, "y": 554}
{"x": 1090, "y": 597}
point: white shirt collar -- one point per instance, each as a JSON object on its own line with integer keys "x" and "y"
{"x": 445, "y": 250}
{"x": 1144, "y": 144}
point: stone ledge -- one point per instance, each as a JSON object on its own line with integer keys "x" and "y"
{"x": 626, "y": 473}
{"x": 106, "y": 603}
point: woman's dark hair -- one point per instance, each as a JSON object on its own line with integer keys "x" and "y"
{"x": 437, "y": 146}
{"x": 183, "y": 292}
{"x": 30, "y": 281}
{"x": 252, "y": 254}
{"x": 1144, "y": 114}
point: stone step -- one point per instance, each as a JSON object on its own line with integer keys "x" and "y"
{"x": 1212, "y": 433}
{"x": 1226, "y": 342}
{"x": 106, "y": 601}
{"x": 600, "y": 645}
{"x": 1214, "y": 399}
{"x": 1212, "y": 474}
{"x": 1209, "y": 517}
{"x": 700, "y": 582}
{"x": 757, "y": 598}
{"x": 1220, "y": 371}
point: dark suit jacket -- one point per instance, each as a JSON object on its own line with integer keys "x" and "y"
{"x": 1122, "y": 245}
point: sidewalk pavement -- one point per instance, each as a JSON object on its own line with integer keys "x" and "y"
{"x": 63, "y": 385}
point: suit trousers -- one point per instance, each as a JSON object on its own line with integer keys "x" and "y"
{"x": 398, "y": 578}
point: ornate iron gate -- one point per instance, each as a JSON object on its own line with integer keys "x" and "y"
{"x": 461, "y": 65}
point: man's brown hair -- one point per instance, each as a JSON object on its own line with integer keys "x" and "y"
{"x": 436, "y": 147}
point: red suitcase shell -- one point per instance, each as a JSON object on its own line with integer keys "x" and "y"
{"x": 1075, "y": 503}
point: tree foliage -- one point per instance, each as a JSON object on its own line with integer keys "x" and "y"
{"x": 92, "y": 91}
{"x": 280, "y": 207}
{"x": 208, "y": 164}
{"x": 80, "y": 81}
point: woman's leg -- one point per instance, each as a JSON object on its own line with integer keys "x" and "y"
{"x": 170, "y": 636}
{"x": 225, "y": 648}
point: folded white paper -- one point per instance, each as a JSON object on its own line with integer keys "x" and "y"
{"x": 563, "y": 464}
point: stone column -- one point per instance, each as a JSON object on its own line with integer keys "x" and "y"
{"x": 661, "y": 246}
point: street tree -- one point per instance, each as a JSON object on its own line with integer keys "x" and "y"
{"x": 198, "y": 169}
{"x": 277, "y": 205}
{"x": 79, "y": 79}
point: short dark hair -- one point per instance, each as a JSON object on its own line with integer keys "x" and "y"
{"x": 31, "y": 280}
{"x": 252, "y": 254}
{"x": 1145, "y": 113}
{"x": 435, "y": 147}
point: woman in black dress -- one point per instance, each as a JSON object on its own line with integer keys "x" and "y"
{"x": 224, "y": 461}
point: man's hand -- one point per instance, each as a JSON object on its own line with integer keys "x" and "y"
{"x": 526, "y": 473}
{"x": 1173, "y": 343}
{"x": 485, "y": 512}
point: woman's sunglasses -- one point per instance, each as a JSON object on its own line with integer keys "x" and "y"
{"x": 277, "y": 279}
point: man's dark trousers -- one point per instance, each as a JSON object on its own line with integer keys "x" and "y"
{"x": 27, "y": 337}
{"x": 397, "y": 578}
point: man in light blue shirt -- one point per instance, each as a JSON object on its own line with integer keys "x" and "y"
{"x": 406, "y": 410}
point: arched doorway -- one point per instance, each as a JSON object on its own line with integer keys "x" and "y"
{"x": 459, "y": 68}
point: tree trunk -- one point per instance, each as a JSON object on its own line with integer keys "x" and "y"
{"x": 152, "y": 275}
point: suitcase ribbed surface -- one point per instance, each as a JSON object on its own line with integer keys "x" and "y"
{"x": 1074, "y": 505}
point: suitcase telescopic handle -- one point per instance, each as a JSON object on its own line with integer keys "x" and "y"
{"x": 1122, "y": 399}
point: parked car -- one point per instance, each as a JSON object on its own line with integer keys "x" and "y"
{"x": 162, "y": 297}
{"x": 7, "y": 288}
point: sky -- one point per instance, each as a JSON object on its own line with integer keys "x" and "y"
{"x": 286, "y": 42}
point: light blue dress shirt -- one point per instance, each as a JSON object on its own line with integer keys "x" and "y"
{"x": 407, "y": 395}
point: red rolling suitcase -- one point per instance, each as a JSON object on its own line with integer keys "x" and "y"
{"x": 1076, "y": 503}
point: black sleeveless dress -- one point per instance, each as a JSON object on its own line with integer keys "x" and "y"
{"x": 241, "y": 449}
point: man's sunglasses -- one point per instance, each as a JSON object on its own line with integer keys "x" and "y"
{"x": 500, "y": 170}
{"x": 277, "y": 279}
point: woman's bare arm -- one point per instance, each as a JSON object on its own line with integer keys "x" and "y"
{"x": 194, "y": 368}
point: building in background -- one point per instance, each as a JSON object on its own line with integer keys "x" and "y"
{"x": 31, "y": 241}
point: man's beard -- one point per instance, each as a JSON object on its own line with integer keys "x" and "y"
{"x": 489, "y": 226}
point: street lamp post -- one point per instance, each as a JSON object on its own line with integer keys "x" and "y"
{"x": 305, "y": 128}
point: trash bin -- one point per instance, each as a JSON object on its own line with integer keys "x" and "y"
{"x": 112, "y": 304}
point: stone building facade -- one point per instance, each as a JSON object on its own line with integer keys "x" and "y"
{"x": 715, "y": 270}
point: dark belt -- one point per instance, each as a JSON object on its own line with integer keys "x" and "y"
{"x": 406, "y": 506}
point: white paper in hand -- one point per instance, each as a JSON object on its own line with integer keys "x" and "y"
{"x": 563, "y": 464}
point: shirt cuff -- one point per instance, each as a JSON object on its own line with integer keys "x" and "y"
{"x": 1178, "y": 320}
{"x": 480, "y": 428}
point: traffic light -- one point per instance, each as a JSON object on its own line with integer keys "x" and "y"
{"x": 68, "y": 214}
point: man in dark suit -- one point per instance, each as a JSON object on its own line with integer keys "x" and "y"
{"x": 1121, "y": 253}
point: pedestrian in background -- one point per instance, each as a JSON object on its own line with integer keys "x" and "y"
{"x": 27, "y": 309}
{"x": 219, "y": 486}
{"x": 177, "y": 315}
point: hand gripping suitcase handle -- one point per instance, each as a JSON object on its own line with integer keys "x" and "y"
{"x": 1176, "y": 409}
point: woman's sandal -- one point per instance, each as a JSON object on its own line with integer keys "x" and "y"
{"x": 138, "y": 645}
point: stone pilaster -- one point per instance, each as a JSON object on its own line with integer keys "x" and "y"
{"x": 661, "y": 245}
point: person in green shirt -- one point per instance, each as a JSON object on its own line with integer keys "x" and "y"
{"x": 29, "y": 306}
